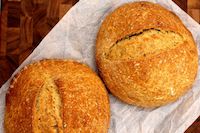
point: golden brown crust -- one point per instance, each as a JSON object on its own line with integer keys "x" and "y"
{"x": 151, "y": 79}
{"x": 56, "y": 96}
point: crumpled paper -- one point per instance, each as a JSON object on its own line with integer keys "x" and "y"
{"x": 74, "y": 38}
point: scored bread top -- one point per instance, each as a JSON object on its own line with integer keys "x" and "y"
{"x": 135, "y": 18}
{"x": 56, "y": 96}
{"x": 145, "y": 55}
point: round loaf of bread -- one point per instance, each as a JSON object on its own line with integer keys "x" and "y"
{"x": 145, "y": 55}
{"x": 57, "y": 96}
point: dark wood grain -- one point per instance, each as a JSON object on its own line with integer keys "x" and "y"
{"x": 182, "y": 3}
{"x": 24, "y": 23}
{"x": 3, "y": 36}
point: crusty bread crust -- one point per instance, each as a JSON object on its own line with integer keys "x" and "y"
{"x": 57, "y": 96}
{"x": 135, "y": 72}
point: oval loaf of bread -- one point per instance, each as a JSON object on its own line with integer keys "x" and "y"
{"x": 145, "y": 55}
{"x": 57, "y": 96}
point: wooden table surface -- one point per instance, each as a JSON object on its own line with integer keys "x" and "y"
{"x": 24, "y": 23}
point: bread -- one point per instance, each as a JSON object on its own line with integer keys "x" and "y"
{"x": 145, "y": 55}
{"x": 57, "y": 96}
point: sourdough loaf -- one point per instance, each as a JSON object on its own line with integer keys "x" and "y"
{"x": 145, "y": 55}
{"x": 57, "y": 96}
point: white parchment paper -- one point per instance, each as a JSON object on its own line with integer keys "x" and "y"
{"x": 74, "y": 38}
